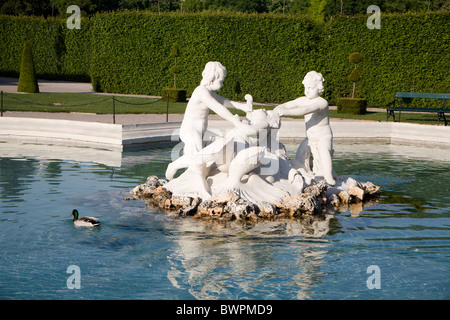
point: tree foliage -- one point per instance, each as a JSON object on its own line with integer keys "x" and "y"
{"x": 317, "y": 9}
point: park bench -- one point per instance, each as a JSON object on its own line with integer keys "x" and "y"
{"x": 391, "y": 107}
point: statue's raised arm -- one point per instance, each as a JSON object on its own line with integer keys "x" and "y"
{"x": 203, "y": 99}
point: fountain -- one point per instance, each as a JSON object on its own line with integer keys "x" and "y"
{"x": 244, "y": 173}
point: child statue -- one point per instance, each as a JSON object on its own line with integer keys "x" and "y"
{"x": 318, "y": 131}
{"x": 195, "y": 122}
{"x": 203, "y": 99}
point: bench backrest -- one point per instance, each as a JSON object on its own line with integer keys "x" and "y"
{"x": 422, "y": 95}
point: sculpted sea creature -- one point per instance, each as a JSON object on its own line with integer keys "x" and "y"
{"x": 252, "y": 188}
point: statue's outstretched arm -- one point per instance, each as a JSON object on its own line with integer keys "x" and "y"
{"x": 215, "y": 105}
{"x": 300, "y": 107}
{"x": 227, "y": 103}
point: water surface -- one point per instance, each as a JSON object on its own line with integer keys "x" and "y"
{"x": 140, "y": 253}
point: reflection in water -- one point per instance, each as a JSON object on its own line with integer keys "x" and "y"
{"x": 233, "y": 261}
{"x": 15, "y": 175}
{"x": 143, "y": 254}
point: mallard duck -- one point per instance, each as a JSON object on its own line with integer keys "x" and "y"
{"x": 84, "y": 221}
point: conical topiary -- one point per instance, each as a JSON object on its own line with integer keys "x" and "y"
{"x": 27, "y": 78}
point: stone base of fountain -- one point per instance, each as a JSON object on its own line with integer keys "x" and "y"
{"x": 347, "y": 194}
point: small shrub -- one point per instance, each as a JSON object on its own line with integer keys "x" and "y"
{"x": 27, "y": 79}
{"x": 352, "y": 105}
{"x": 175, "y": 95}
{"x": 356, "y": 57}
{"x": 354, "y": 77}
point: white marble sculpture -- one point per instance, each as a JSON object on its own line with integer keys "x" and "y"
{"x": 195, "y": 121}
{"x": 203, "y": 99}
{"x": 248, "y": 162}
{"x": 254, "y": 167}
{"x": 319, "y": 140}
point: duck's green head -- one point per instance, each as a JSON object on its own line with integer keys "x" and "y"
{"x": 74, "y": 214}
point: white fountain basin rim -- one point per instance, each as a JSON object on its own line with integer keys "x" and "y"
{"x": 122, "y": 137}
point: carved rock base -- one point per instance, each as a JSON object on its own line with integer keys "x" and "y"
{"x": 316, "y": 198}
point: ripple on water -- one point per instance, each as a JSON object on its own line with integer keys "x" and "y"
{"x": 140, "y": 253}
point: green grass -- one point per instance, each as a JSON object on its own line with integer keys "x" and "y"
{"x": 420, "y": 118}
{"x": 86, "y": 103}
{"x": 102, "y": 104}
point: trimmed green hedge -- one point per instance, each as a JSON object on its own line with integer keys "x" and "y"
{"x": 352, "y": 105}
{"x": 175, "y": 95}
{"x": 410, "y": 52}
{"x": 266, "y": 55}
{"x": 58, "y": 52}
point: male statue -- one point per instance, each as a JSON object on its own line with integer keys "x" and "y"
{"x": 195, "y": 121}
{"x": 318, "y": 131}
{"x": 203, "y": 99}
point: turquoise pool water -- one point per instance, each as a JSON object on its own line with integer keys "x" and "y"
{"x": 140, "y": 253}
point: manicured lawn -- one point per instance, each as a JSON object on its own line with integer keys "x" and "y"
{"x": 86, "y": 102}
{"x": 96, "y": 103}
{"x": 421, "y": 118}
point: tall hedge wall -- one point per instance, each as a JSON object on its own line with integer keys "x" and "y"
{"x": 411, "y": 52}
{"x": 58, "y": 52}
{"x": 265, "y": 55}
